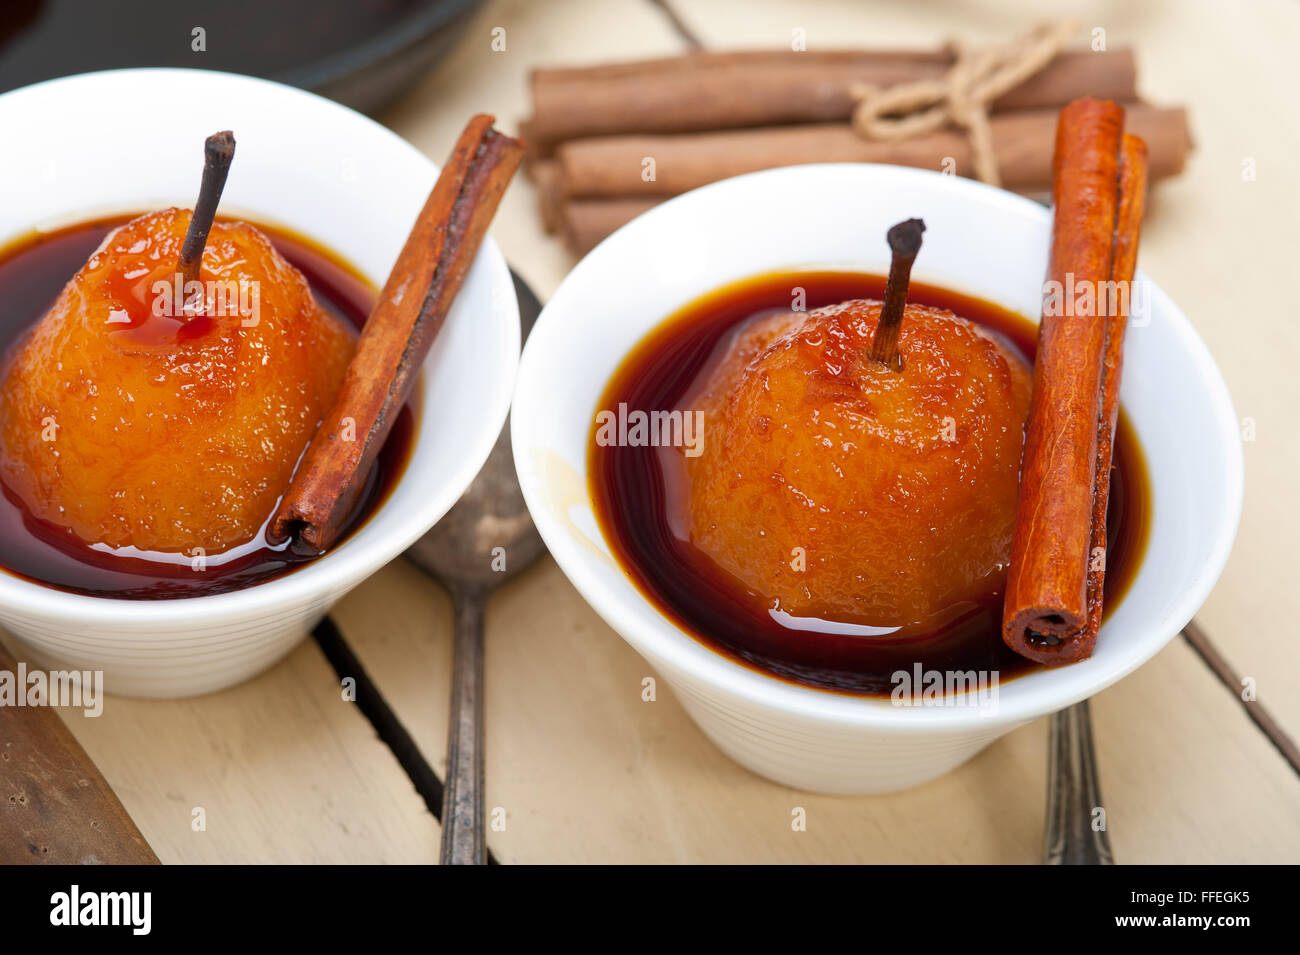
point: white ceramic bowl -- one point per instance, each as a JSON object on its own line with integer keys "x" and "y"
{"x": 978, "y": 240}
{"x": 132, "y": 140}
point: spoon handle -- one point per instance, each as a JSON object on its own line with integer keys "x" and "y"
{"x": 463, "y": 841}
{"x": 1074, "y": 793}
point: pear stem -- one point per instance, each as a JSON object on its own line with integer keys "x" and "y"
{"x": 218, "y": 151}
{"x": 904, "y": 243}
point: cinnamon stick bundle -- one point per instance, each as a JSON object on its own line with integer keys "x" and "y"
{"x": 397, "y": 336}
{"x": 711, "y": 91}
{"x": 1053, "y": 604}
{"x": 615, "y": 166}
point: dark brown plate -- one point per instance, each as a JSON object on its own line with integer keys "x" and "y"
{"x": 362, "y": 53}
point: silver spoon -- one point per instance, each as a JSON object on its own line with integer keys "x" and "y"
{"x": 484, "y": 540}
{"x": 1073, "y": 793}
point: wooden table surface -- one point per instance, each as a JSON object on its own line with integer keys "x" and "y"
{"x": 581, "y": 770}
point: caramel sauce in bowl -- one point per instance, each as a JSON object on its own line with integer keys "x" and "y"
{"x": 640, "y": 500}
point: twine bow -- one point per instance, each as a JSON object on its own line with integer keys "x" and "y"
{"x": 962, "y": 96}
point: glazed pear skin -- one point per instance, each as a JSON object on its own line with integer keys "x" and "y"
{"x": 830, "y": 486}
{"x": 170, "y": 433}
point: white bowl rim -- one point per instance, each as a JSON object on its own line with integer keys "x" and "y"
{"x": 1018, "y": 700}
{"x": 362, "y": 552}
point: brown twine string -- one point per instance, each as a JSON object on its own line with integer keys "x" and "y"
{"x": 962, "y": 96}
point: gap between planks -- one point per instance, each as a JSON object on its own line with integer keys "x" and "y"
{"x": 1210, "y": 655}
{"x": 370, "y": 700}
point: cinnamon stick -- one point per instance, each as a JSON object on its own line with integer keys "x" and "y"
{"x": 397, "y": 336}
{"x": 614, "y": 166}
{"x": 584, "y": 223}
{"x": 711, "y": 91}
{"x": 1053, "y": 599}
{"x": 1128, "y": 228}
{"x": 550, "y": 201}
